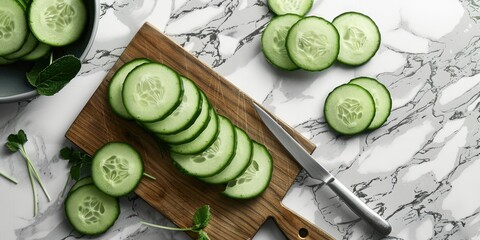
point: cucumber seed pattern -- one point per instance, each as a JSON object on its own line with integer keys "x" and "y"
{"x": 115, "y": 169}
{"x": 91, "y": 210}
{"x": 247, "y": 176}
{"x": 209, "y": 153}
{"x": 290, "y": 5}
{"x": 354, "y": 38}
{"x": 149, "y": 91}
{"x": 313, "y": 45}
{"x": 7, "y": 26}
{"x": 180, "y": 107}
{"x": 349, "y": 111}
{"x": 279, "y": 39}
{"x": 59, "y": 16}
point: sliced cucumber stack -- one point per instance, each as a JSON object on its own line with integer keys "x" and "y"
{"x": 362, "y": 104}
{"x": 115, "y": 87}
{"x": 273, "y": 41}
{"x": 213, "y": 159}
{"x": 240, "y": 161}
{"x": 184, "y": 115}
{"x": 313, "y": 44}
{"x": 359, "y": 38}
{"x": 81, "y": 182}
{"x": 197, "y": 127}
{"x": 298, "y": 7}
{"x": 90, "y": 211}
{"x": 201, "y": 142}
{"x": 151, "y": 92}
{"x": 255, "y": 179}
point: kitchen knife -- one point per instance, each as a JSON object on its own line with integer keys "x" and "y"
{"x": 315, "y": 170}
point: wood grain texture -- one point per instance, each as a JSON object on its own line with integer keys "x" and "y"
{"x": 174, "y": 194}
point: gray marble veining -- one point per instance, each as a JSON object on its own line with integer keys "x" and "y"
{"x": 420, "y": 170}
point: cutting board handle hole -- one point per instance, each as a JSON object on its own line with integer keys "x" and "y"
{"x": 303, "y": 233}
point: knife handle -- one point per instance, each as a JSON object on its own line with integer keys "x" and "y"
{"x": 360, "y": 208}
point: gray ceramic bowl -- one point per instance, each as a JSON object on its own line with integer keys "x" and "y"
{"x": 13, "y": 83}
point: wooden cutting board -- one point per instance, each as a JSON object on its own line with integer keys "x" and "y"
{"x": 174, "y": 194}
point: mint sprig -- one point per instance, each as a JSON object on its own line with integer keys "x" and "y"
{"x": 16, "y": 143}
{"x": 80, "y": 162}
{"x": 49, "y": 77}
{"x": 201, "y": 219}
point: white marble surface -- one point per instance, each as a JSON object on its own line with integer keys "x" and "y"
{"x": 420, "y": 170}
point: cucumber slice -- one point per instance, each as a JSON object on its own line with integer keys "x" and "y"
{"x": 117, "y": 169}
{"x": 203, "y": 140}
{"x": 151, "y": 92}
{"x": 41, "y": 50}
{"x": 349, "y": 109}
{"x": 57, "y": 22}
{"x": 4, "y": 61}
{"x": 213, "y": 159}
{"x": 359, "y": 38}
{"x": 184, "y": 115}
{"x": 91, "y": 211}
{"x": 27, "y": 47}
{"x": 273, "y": 41}
{"x": 298, "y": 7}
{"x": 239, "y": 163}
{"x": 381, "y": 97}
{"x": 255, "y": 180}
{"x": 13, "y": 26}
{"x": 187, "y": 135}
{"x": 115, "y": 86}
{"x": 80, "y": 183}
{"x": 313, "y": 44}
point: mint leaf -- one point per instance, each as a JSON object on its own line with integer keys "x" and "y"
{"x": 66, "y": 153}
{"x": 12, "y": 146}
{"x": 81, "y": 162}
{"x": 39, "y": 65}
{"x": 202, "y": 235}
{"x": 201, "y": 218}
{"x": 54, "y": 77}
{"x": 15, "y": 141}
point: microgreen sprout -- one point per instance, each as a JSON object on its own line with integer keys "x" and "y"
{"x": 16, "y": 143}
{"x": 201, "y": 219}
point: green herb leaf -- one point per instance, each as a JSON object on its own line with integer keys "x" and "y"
{"x": 201, "y": 218}
{"x": 12, "y": 146}
{"x": 54, "y": 77}
{"x": 39, "y": 65}
{"x": 202, "y": 235}
{"x": 66, "y": 153}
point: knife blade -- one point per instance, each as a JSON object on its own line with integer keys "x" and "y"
{"x": 315, "y": 170}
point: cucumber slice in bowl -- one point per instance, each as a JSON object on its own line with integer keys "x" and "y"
{"x": 203, "y": 140}
{"x": 381, "y": 97}
{"x": 313, "y": 44}
{"x": 239, "y": 163}
{"x": 349, "y": 109}
{"x": 115, "y": 86}
{"x": 298, "y": 7}
{"x": 117, "y": 169}
{"x": 28, "y": 46}
{"x": 13, "y": 26}
{"x": 184, "y": 115}
{"x": 273, "y": 41}
{"x": 90, "y": 211}
{"x": 213, "y": 159}
{"x": 57, "y": 22}
{"x": 359, "y": 38}
{"x": 151, "y": 92}
{"x": 255, "y": 180}
{"x": 41, "y": 50}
